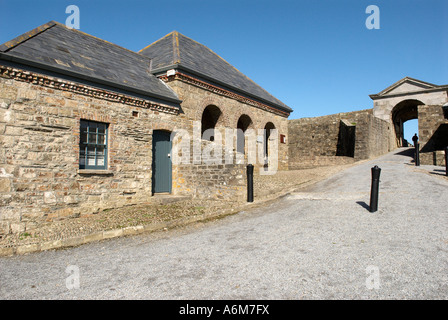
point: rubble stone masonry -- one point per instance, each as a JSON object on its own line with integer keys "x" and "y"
{"x": 337, "y": 139}
{"x": 433, "y": 134}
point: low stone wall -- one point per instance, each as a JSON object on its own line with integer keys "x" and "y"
{"x": 320, "y": 161}
{"x": 209, "y": 177}
{"x": 331, "y": 139}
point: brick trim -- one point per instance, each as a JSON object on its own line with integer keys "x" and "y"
{"x": 55, "y": 83}
{"x": 209, "y": 87}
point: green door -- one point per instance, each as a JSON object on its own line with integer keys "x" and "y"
{"x": 161, "y": 162}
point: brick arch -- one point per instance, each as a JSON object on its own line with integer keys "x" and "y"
{"x": 269, "y": 125}
{"x": 223, "y": 121}
{"x": 244, "y": 122}
{"x": 266, "y": 122}
{"x": 164, "y": 126}
{"x": 245, "y": 117}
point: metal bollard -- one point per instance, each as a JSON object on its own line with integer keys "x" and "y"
{"x": 417, "y": 154}
{"x": 374, "y": 189}
{"x": 250, "y": 183}
{"x": 446, "y": 161}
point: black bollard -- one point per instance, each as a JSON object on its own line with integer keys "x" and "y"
{"x": 417, "y": 154}
{"x": 374, "y": 190}
{"x": 250, "y": 183}
{"x": 446, "y": 161}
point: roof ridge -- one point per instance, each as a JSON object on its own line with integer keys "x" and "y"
{"x": 36, "y": 31}
{"x": 99, "y": 39}
{"x": 149, "y": 45}
{"x": 8, "y": 45}
{"x": 176, "y": 49}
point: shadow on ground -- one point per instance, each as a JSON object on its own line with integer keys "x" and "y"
{"x": 407, "y": 153}
{"x": 364, "y": 205}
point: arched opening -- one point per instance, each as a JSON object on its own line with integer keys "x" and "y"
{"x": 404, "y": 111}
{"x": 410, "y": 128}
{"x": 210, "y": 118}
{"x": 244, "y": 122}
{"x": 267, "y": 133}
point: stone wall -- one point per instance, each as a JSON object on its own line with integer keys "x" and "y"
{"x": 433, "y": 134}
{"x": 334, "y": 139}
{"x": 209, "y": 178}
{"x": 376, "y": 141}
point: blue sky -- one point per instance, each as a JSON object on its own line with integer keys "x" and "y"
{"x": 317, "y": 56}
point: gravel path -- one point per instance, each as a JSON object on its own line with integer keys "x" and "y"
{"x": 320, "y": 243}
{"x": 155, "y": 215}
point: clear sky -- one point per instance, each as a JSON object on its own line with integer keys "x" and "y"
{"x": 317, "y": 56}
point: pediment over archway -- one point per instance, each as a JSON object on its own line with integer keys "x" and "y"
{"x": 405, "y": 86}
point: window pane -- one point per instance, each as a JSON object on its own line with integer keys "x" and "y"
{"x": 91, "y": 156}
{"x": 92, "y": 138}
{"x": 82, "y": 157}
{"x": 100, "y": 156}
{"x": 83, "y": 138}
{"x": 101, "y": 139}
{"x": 101, "y": 128}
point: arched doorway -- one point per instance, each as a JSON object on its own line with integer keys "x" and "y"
{"x": 402, "y": 112}
{"x": 267, "y": 134}
{"x": 210, "y": 117}
{"x": 244, "y": 122}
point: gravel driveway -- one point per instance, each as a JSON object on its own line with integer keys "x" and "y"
{"x": 320, "y": 243}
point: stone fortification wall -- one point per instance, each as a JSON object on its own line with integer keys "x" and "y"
{"x": 337, "y": 139}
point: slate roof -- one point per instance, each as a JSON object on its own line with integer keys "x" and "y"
{"x": 56, "y": 48}
{"x": 176, "y": 51}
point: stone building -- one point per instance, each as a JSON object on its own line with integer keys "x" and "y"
{"x": 87, "y": 125}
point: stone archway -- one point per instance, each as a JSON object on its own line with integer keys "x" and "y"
{"x": 244, "y": 123}
{"x": 209, "y": 120}
{"x": 414, "y": 99}
{"x": 267, "y": 134}
{"x": 404, "y": 111}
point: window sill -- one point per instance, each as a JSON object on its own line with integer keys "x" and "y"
{"x": 95, "y": 172}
